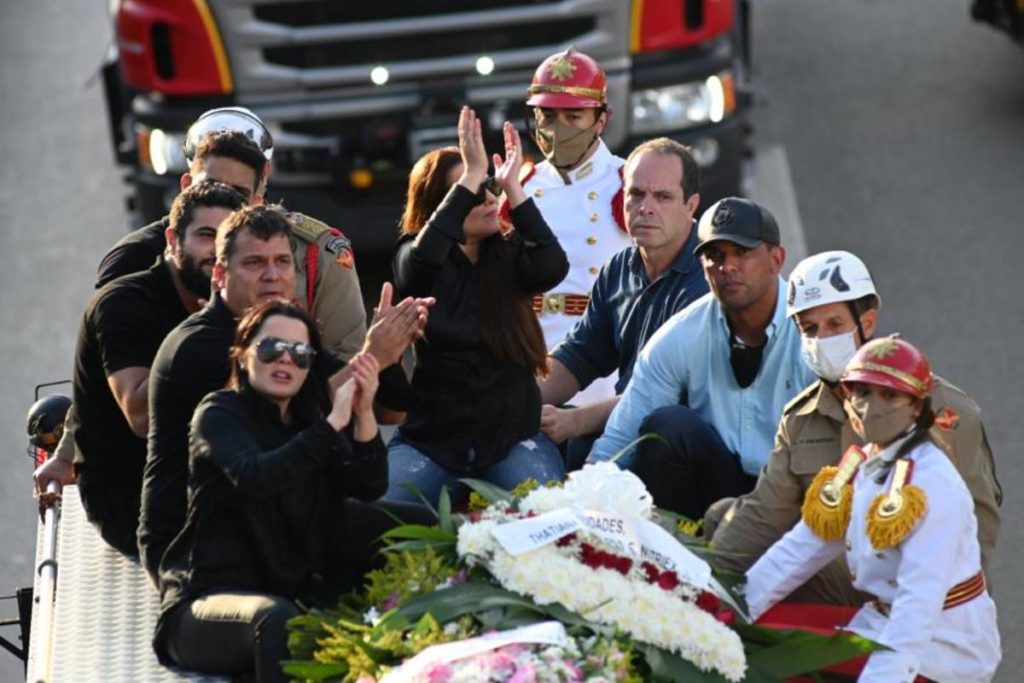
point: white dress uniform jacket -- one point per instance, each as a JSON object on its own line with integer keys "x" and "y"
{"x": 959, "y": 644}
{"x": 580, "y": 214}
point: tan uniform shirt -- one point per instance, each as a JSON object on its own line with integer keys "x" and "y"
{"x": 337, "y": 298}
{"x": 814, "y": 433}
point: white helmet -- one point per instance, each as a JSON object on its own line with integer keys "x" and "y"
{"x": 826, "y": 278}
{"x": 237, "y": 119}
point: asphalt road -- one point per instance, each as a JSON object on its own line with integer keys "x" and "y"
{"x": 902, "y": 123}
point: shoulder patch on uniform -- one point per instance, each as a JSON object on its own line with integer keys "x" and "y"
{"x": 801, "y": 398}
{"x": 337, "y": 245}
{"x": 306, "y": 227}
{"x": 947, "y": 419}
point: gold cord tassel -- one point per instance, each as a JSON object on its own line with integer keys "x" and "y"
{"x": 826, "y": 508}
{"x": 893, "y": 515}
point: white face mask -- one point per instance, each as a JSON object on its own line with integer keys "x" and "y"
{"x": 828, "y": 357}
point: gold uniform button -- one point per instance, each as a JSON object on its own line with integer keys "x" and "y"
{"x": 593, "y": 218}
{"x": 880, "y": 555}
{"x": 591, "y": 240}
{"x": 591, "y": 195}
{"x": 893, "y": 582}
{"x": 538, "y": 193}
{"x": 849, "y": 546}
{"x": 593, "y": 270}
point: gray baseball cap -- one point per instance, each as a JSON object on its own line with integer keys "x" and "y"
{"x": 736, "y": 220}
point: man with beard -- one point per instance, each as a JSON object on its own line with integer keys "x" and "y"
{"x": 123, "y": 326}
{"x": 578, "y": 189}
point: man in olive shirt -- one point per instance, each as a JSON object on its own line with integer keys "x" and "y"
{"x": 833, "y": 301}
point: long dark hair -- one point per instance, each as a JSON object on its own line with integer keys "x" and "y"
{"x": 511, "y": 330}
{"x": 313, "y": 396}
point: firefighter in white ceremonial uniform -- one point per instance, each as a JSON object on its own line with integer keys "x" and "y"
{"x": 905, "y": 519}
{"x": 578, "y": 189}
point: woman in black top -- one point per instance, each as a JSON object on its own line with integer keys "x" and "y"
{"x": 268, "y": 475}
{"x": 478, "y": 406}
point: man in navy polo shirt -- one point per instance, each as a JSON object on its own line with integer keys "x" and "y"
{"x": 640, "y": 288}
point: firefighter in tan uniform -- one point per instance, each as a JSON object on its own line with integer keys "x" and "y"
{"x": 578, "y": 189}
{"x": 833, "y": 300}
{"x": 326, "y": 281}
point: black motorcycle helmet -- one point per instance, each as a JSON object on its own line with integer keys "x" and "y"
{"x": 45, "y": 421}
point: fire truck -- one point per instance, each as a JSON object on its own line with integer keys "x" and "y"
{"x": 353, "y": 93}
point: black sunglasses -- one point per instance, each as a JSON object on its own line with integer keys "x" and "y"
{"x": 490, "y": 184}
{"x": 271, "y": 348}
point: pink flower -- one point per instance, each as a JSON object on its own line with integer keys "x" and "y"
{"x": 524, "y": 674}
{"x": 438, "y": 673}
{"x": 391, "y": 602}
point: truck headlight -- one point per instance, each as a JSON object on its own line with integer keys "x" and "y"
{"x": 683, "y": 106}
{"x": 160, "y": 151}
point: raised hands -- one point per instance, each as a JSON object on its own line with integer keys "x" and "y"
{"x": 364, "y": 372}
{"x": 506, "y": 171}
{"x": 341, "y": 405}
{"x": 396, "y": 326}
{"x": 474, "y": 153}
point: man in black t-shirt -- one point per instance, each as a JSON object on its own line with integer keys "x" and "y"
{"x": 254, "y": 264}
{"x": 123, "y": 326}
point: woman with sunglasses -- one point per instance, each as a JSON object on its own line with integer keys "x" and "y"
{"x": 477, "y": 410}
{"x": 269, "y": 475}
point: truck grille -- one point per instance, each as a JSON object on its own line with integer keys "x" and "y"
{"x": 386, "y": 50}
{"x": 321, "y": 12}
{"x": 304, "y": 66}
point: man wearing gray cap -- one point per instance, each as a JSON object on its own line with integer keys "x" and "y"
{"x": 713, "y": 381}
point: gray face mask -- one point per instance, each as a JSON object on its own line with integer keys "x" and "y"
{"x": 564, "y": 145}
{"x": 877, "y": 421}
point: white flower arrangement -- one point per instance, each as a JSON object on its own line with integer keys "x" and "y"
{"x": 602, "y": 586}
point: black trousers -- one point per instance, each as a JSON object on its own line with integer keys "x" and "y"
{"x": 233, "y": 633}
{"x": 690, "y": 467}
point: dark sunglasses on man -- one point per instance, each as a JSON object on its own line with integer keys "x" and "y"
{"x": 271, "y": 348}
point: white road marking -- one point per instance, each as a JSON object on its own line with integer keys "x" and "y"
{"x": 771, "y": 185}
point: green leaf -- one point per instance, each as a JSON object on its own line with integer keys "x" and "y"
{"x": 450, "y": 603}
{"x": 314, "y": 671}
{"x": 419, "y": 531}
{"x": 800, "y": 652}
{"x": 441, "y": 547}
{"x": 668, "y": 666}
{"x": 488, "y": 490}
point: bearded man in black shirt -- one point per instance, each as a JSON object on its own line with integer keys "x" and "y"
{"x": 123, "y": 326}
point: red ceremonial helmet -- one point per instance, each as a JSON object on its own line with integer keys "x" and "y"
{"x": 568, "y": 80}
{"x": 891, "y": 362}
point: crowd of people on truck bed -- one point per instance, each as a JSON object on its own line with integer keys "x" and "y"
{"x": 228, "y": 389}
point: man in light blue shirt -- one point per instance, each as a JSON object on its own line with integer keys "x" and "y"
{"x": 713, "y": 381}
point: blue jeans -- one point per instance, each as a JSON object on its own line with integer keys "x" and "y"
{"x": 534, "y": 458}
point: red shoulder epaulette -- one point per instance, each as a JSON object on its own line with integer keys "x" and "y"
{"x": 618, "y": 205}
